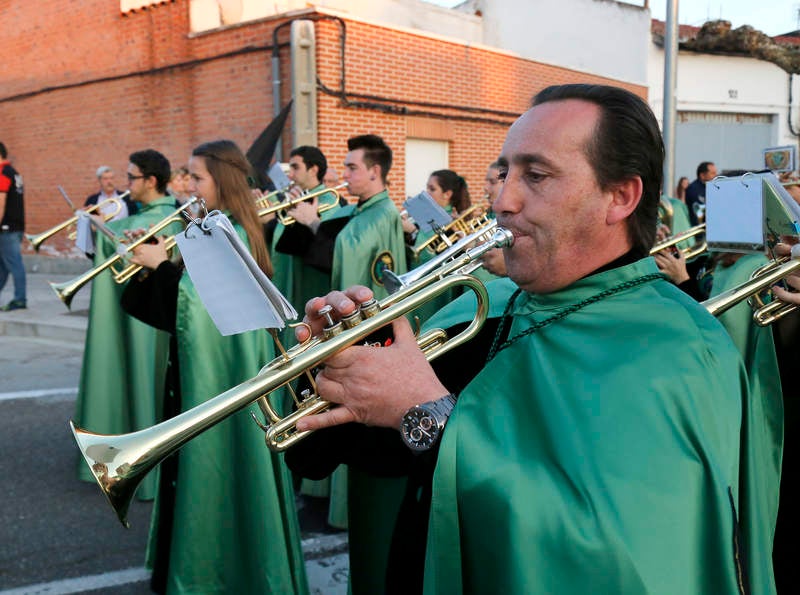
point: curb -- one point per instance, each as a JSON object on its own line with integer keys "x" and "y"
{"x": 40, "y": 330}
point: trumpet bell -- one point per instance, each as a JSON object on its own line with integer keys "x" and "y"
{"x": 100, "y": 453}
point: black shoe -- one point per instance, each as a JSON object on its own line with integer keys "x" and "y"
{"x": 14, "y": 305}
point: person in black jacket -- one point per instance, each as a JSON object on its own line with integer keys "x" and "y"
{"x": 105, "y": 179}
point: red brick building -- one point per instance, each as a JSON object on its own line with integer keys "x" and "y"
{"x": 84, "y": 84}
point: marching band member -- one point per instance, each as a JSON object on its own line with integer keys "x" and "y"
{"x": 573, "y": 461}
{"x": 449, "y": 191}
{"x": 299, "y": 282}
{"x": 494, "y": 265}
{"x": 225, "y": 516}
{"x": 367, "y": 238}
{"x": 786, "y": 333}
{"x": 124, "y": 360}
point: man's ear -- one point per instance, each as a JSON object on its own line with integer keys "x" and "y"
{"x": 625, "y": 199}
{"x": 375, "y": 172}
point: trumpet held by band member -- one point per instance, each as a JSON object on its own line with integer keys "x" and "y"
{"x": 120, "y": 462}
{"x": 107, "y": 209}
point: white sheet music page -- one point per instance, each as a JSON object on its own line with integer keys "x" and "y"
{"x": 84, "y": 234}
{"x": 239, "y": 297}
{"x": 280, "y": 179}
{"x": 735, "y": 214}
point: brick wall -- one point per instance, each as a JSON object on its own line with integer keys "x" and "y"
{"x": 86, "y": 85}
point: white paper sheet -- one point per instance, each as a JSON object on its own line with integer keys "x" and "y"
{"x": 744, "y": 211}
{"x": 426, "y": 212}
{"x": 238, "y": 295}
{"x": 84, "y": 234}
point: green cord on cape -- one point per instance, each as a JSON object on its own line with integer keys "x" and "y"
{"x": 497, "y": 346}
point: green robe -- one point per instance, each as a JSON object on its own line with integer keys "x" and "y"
{"x": 599, "y": 454}
{"x": 757, "y": 348}
{"x": 372, "y": 237}
{"x": 235, "y": 526}
{"x": 124, "y": 360}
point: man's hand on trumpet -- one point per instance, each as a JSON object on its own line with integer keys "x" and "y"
{"x": 306, "y": 213}
{"x": 372, "y": 385}
{"x": 150, "y": 255}
{"x": 790, "y": 297}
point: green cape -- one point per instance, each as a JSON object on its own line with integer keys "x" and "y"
{"x": 124, "y": 360}
{"x": 578, "y": 461}
{"x": 764, "y": 424}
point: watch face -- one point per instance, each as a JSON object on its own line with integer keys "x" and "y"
{"x": 420, "y": 430}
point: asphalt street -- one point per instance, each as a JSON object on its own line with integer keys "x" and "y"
{"x": 58, "y": 535}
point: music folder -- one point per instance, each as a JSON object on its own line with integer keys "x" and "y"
{"x": 280, "y": 179}
{"x": 745, "y": 213}
{"x": 426, "y": 212}
{"x": 236, "y": 293}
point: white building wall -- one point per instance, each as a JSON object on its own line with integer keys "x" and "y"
{"x": 413, "y": 14}
{"x": 727, "y": 84}
{"x": 599, "y": 36}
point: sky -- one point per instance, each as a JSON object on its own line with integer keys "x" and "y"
{"x": 773, "y": 17}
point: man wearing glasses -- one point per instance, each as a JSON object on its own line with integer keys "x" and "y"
{"x": 124, "y": 360}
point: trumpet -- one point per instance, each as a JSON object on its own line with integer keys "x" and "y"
{"x": 465, "y": 224}
{"x": 756, "y": 291}
{"x": 394, "y": 282}
{"x": 266, "y": 200}
{"x": 690, "y": 251}
{"x": 67, "y": 290}
{"x": 280, "y": 208}
{"x": 119, "y": 463}
{"x": 37, "y": 240}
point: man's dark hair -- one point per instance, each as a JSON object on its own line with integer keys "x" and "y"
{"x": 703, "y": 167}
{"x": 375, "y": 151}
{"x": 3, "y": 152}
{"x": 312, "y": 156}
{"x": 152, "y": 163}
{"x": 626, "y": 143}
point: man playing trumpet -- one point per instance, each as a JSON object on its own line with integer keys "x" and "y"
{"x": 124, "y": 360}
{"x": 573, "y": 461}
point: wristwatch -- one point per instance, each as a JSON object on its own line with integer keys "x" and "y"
{"x": 422, "y": 425}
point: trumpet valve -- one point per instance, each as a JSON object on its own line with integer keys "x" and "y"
{"x": 351, "y": 320}
{"x": 331, "y": 328}
{"x": 369, "y": 308}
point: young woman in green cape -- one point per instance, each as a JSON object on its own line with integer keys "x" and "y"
{"x": 225, "y": 519}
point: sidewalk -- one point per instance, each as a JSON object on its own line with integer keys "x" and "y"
{"x": 46, "y": 316}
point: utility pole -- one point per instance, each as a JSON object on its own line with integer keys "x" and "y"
{"x": 670, "y": 84}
